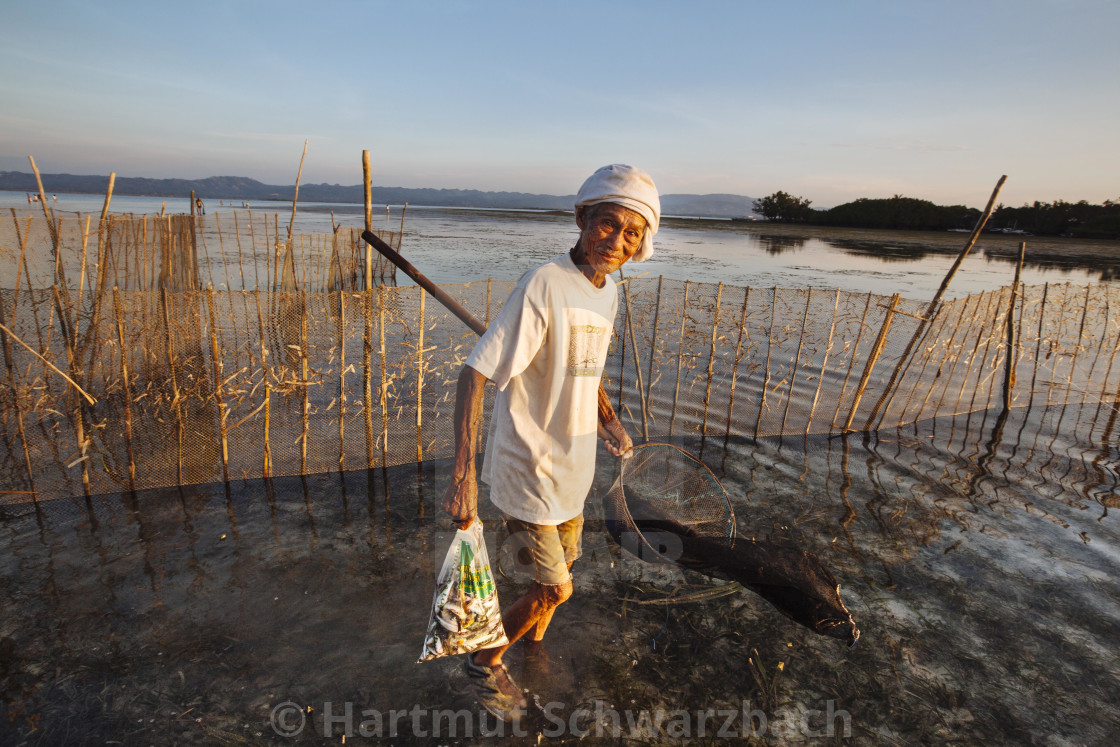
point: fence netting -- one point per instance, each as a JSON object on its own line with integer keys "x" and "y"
{"x": 196, "y": 385}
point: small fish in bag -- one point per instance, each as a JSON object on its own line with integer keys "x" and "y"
{"x": 466, "y": 615}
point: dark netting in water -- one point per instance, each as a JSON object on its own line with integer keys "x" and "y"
{"x": 675, "y": 484}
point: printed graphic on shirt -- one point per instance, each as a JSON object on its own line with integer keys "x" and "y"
{"x": 584, "y": 343}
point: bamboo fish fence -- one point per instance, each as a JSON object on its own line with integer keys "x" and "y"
{"x": 153, "y": 352}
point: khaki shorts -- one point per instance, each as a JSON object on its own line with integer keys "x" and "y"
{"x": 543, "y": 552}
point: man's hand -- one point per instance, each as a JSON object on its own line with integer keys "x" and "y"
{"x": 616, "y": 439}
{"x": 461, "y": 499}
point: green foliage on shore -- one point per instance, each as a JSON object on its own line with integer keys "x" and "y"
{"x": 785, "y": 208}
{"x": 1059, "y": 218}
{"x": 898, "y": 212}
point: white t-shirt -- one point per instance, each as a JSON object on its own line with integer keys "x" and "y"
{"x": 545, "y": 352}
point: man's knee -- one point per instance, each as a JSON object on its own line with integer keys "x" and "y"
{"x": 553, "y": 595}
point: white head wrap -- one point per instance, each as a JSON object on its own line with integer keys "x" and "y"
{"x": 632, "y": 189}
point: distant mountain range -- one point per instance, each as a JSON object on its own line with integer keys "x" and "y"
{"x": 243, "y": 188}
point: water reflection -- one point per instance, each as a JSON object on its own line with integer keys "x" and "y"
{"x": 775, "y": 244}
{"x": 977, "y": 554}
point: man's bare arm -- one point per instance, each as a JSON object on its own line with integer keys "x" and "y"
{"x": 614, "y": 436}
{"x": 461, "y": 498}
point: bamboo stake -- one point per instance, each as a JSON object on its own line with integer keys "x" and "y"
{"x": 305, "y": 383}
{"x": 950, "y": 348}
{"x": 797, "y": 358}
{"x": 936, "y": 300}
{"x": 956, "y": 362}
{"x": 216, "y": 361}
{"x": 680, "y": 352}
{"x": 637, "y": 362}
{"x": 367, "y": 375}
{"x": 400, "y": 235}
{"x": 769, "y": 348}
{"x": 176, "y": 399}
{"x": 824, "y": 363}
{"x": 127, "y": 393}
{"x": 267, "y": 387}
{"x": 367, "y": 186}
{"x": 941, "y": 318}
{"x": 8, "y": 364}
{"x": 420, "y": 381}
{"x": 341, "y": 381}
{"x": 49, "y": 365}
{"x": 738, "y": 360}
{"x": 52, "y": 229}
{"x": 653, "y": 339}
{"x": 876, "y": 350}
{"x": 1012, "y": 351}
{"x": 711, "y": 359}
{"x": 384, "y": 385}
{"x": 79, "y": 415}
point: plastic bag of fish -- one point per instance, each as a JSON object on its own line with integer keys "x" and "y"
{"x": 466, "y": 616}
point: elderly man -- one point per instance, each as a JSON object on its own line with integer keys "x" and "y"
{"x": 546, "y": 352}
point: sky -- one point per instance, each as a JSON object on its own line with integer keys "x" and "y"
{"x": 825, "y": 100}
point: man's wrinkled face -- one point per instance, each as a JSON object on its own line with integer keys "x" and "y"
{"x": 609, "y": 235}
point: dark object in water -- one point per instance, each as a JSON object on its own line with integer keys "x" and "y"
{"x": 794, "y": 581}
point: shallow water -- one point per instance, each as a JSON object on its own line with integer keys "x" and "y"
{"x": 454, "y": 245}
{"x": 977, "y": 556}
